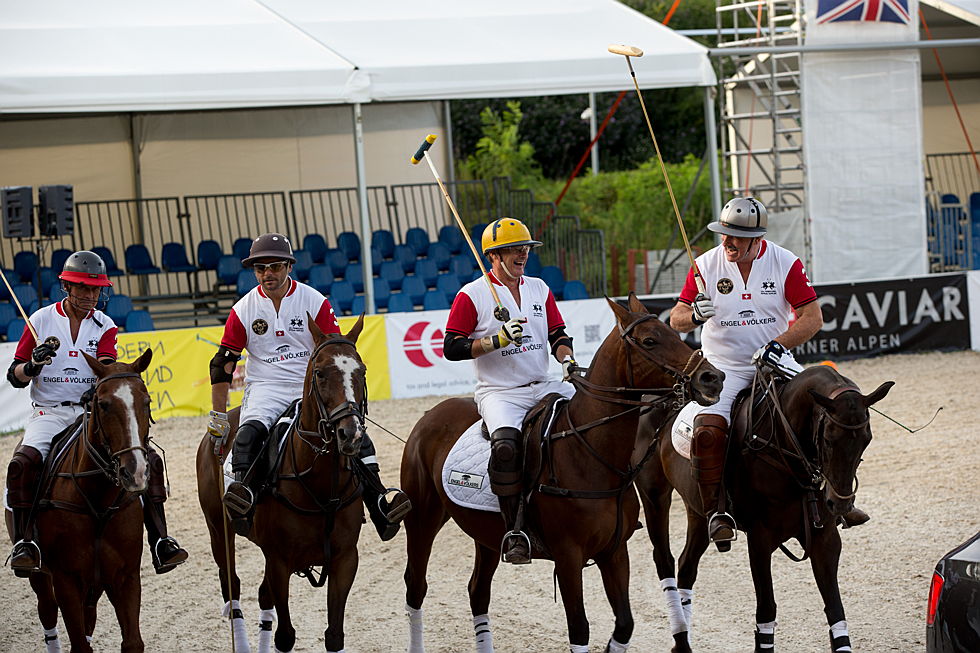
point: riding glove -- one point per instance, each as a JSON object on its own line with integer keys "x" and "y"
{"x": 218, "y": 429}
{"x": 769, "y": 356}
{"x": 568, "y": 368}
{"x": 703, "y": 309}
{"x": 511, "y": 331}
{"x": 40, "y": 357}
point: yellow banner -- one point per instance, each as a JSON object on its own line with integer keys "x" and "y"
{"x": 179, "y": 381}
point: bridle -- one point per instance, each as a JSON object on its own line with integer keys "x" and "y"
{"x": 108, "y": 464}
{"x": 328, "y": 418}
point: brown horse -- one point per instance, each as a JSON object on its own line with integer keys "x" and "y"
{"x": 792, "y": 475}
{"x": 311, "y": 515}
{"x": 581, "y": 503}
{"x": 89, "y": 517}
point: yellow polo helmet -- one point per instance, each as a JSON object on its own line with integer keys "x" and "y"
{"x": 507, "y": 232}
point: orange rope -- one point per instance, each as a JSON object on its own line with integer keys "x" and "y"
{"x": 949, "y": 91}
{"x": 670, "y": 12}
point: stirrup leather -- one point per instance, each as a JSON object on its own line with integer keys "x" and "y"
{"x": 235, "y": 503}
{"x": 21, "y": 545}
{"x": 504, "y": 548}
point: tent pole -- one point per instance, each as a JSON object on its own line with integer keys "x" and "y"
{"x": 447, "y": 118}
{"x": 135, "y": 145}
{"x": 711, "y": 132}
{"x": 363, "y": 203}
{"x": 592, "y": 129}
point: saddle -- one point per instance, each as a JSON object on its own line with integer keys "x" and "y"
{"x": 59, "y": 445}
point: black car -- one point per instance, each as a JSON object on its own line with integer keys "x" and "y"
{"x": 953, "y": 612}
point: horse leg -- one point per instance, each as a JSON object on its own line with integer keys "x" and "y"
{"x": 223, "y": 552}
{"x": 569, "y": 572}
{"x": 71, "y": 599}
{"x": 485, "y": 563}
{"x": 277, "y": 578}
{"x": 125, "y": 600}
{"x": 760, "y": 561}
{"x": 695, "y": 544}
{"x": 47, "y": 611}
{"x": 343, "y": 568}
{"x": 824, "y": 561}
{"x": 267, "y": 617}
{"x": 422, "y": 525}
{"x": 615, "y": 572}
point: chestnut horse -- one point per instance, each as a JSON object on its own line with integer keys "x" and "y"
{"x": 791, "y": 475}
{"x": 578, "y": 480}
{"x": 311, "y": 514}
{"x": 89, "y": 517}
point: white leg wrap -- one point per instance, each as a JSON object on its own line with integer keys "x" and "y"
{"x": 578, "y": 648}
{"x": 343, "y": 650}
{"x": 616, "y": 647}
{"x": 266, "y": 620}
{"x": 839, "y": 629}
{"x": 415, "y": 639}
{"x": 675, "y": 613}
{"x": 687, "y": 602}
{"x": 237, "y": 626}
{"x": 52, "y": 643}
{"x": 768, "y": 628}
{"x": 484, "y": 637}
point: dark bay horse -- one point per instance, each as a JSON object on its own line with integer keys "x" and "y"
{"x": 89, "y": 518}
{"x": 312, "y": 514}
{"x": 589, "y": 508}
{"x": 791, "y": 475}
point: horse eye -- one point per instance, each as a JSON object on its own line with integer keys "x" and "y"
{"x": 649, "y": 342}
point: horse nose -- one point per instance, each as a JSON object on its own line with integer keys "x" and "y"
{"x": 711, "y": 380}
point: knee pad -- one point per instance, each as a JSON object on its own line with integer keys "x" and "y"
{"x": 710, "y": 432}
{"x": 251, "y": 435}
{"x": 22, "y": 476}
{"x": 505, "y": 449}
{"x": 156, "y": 490}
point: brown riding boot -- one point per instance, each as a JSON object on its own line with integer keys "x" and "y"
{"x": 854, "y": 517}
{"x": 516, "y": 545}
{"x": 708, "y": 464}
{"x": 165, "y": 553}
{"x": 505, "y": 481}
{"x": 23, "y": 474}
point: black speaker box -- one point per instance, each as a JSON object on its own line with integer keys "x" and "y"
{"x": 17, "y": 205}
{"x": 56, "y": 212}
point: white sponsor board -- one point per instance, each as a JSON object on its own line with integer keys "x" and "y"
{"x": 16, "y": 402}
{"x": 418, "y": 367}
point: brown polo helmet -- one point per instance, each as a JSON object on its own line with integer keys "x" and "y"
{"x": 274, "y": 246}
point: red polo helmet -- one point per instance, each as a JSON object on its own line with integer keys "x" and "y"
{"x": 86, "y": 268}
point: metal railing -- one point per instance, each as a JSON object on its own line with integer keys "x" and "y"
{"x": 422, "y": 205}
{"x": 331, "y": 211}
{"x": 953, "y": 173}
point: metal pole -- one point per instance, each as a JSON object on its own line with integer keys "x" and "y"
{"x": 711, "y": 133}
{"x": 365, "y": 218}
{"x": 450, "y": 160}
{"x": 844, "y": 47}
{"x": 592, "y": 129}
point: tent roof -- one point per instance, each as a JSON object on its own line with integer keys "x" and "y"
{"x": 965, "y": 10}
{"x": 116, "y": 55}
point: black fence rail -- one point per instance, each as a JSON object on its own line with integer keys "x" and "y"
{"x": 331, "y": 211}
{"x": 953, "y": 174}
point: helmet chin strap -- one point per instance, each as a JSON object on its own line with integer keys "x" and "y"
{"x": 503, "y": 266}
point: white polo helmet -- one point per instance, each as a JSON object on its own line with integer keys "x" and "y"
{"x": 745, "y": 217}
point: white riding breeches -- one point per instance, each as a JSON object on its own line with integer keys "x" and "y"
{"x": 45, "y": 423}
{"x": 265, "y": 401}
{"x": 501, "y": 408}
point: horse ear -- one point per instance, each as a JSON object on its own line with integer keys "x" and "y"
{"x": 355, "y": 330}
{"x": 97, "y": 367}
{"x": 826, "y": 402}
{"x": 141, "y": 363}
{"x": 636, "y": 305}
{"x": 314, "y": 328}
{"x": 879, "y": 393}
{"x": 621, "y": 313}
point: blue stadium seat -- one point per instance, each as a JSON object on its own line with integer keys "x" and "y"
{"x": 301, "y": 268}
{"x": 7, "y": 315}
{"x": 975, "y": 225}
{"x": 392, "y": 272}
{"x": 16, "y": 329}
{"x": 139, "y": 320}
{"x": 552, "y": 275}
{"x": 25, "y": 294}
{"x": 533, "y": 266}
{"x": 321, "y": 278}
{"x": 476, "y": 235}
{"x": 56, "y": 293}
{"x": 449, "y": 284}
{"x": 357, "y": 305}
{"x": 341, "y": 296}
{"x": 173, "y": 258}
{"x": 208, "y": 253}
{"x": 575, "y": 289}
{"x": 241, "y": 248}
{"x": 435, "y": 300}
{"x": 58, "y": 258}
{"x": 354, "y": 275}
{"x": 118, "y": 307}
{"x": 418, "y": 239}
{"x": 25, "y": 265}
{"x": 400, "y": 303}
{"x": 384, "y": 240}
{"x": 426, "y": 270}
{"x": 229, "y": 265}
{"x": 245, "y": 281}
{"x": 414, "y": 287}
{"x": 462, "y": 267}
{"x": 316, "y": 246}
{"x": 337, "y": 262}
{"x": 33, "y": 306}
{"x": 12, "y": 279}
{"x": 439, "y": 253}
{"x": 405, "y": 255}
{"x": 376, "y": 261}
{"x": 452, "y": 238}
{"x": 138, "y": 260}
{"x": 350, "y": 244}
{"x": 48, "y": 277}
{"x": 382, "y": 293}
{"x": 111, "y": 269}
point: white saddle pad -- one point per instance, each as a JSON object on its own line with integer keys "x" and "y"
{"x": 683, "y": 431}
{"x": 465, "y": 474}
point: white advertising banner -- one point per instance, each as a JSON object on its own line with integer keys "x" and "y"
{"x": 16, "y": 402}
{"x": 418, "y": 367}
{"x": 862, "y": 137}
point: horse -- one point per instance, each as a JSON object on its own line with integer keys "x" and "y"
{"x": 578, "y": 479}
{"x": 312, "y": 513}
{"x": 89, "y": 517}
{"x": 791, "y": 475}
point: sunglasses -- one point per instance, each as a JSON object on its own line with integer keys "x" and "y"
{"x": 275, "y": 268}
{"x": 514, "y": 251}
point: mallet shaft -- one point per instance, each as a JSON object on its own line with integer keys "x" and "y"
{"x": 20, "y": 308}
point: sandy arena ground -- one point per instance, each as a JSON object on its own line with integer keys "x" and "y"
{"x": 921, "y": 490}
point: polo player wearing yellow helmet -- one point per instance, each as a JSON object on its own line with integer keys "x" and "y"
{"x": 511, "y": 359}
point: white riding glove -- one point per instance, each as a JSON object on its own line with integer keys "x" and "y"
{"x": 568, "y": 368}
{"x": 218, "y": 429}
{"x": 703, "y": 309}
{"x": 511, "y": 331}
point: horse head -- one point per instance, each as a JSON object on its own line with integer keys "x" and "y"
{"x": 654, "y": 356}
{"x": 336, "y": 384}
{"x": 842, "y": 431}
{"x": 119, "y": 421}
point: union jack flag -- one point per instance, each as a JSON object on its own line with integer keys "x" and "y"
{"x": 892, "y": 11}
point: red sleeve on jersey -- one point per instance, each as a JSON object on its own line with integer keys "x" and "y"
{"x": 462, "y": 316}
{"x": 107, "y": 345}
{"x": 797, "y": 287}
{"x": 326, "y": 319}
{"x": 690, "y": 290}
{"x": 555, "y": 319}
{"x": 234, "y": 338}
{"x": 25, "y": 347}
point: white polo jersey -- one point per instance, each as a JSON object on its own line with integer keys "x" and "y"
{"x": 68, "y": 375}
{"x": 748, "y": 314}
{"x": 514, "y": 365}
{"x": 279, "y": 344}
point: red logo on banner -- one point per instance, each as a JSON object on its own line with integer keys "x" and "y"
{"x": 73, "y": 354}
{"x": 746, "y": 295}
{"x": 416, "y": 342}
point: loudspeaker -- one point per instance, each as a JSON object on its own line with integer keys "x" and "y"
{"x": 17, "y": 204}
{"x": 56, "y": 214}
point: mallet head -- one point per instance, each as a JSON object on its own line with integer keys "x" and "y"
{"x": 426, "y": 144}
{"x": 626, "y": 50}
{"x": 53, "y": 341}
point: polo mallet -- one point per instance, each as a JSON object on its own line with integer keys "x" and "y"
{"x": 631, "y": 51}
{"x": 51, "y": 340}
{"x": 500, "y": 312}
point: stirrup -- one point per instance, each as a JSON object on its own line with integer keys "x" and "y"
{"x": 179, "y": 556}
{"x": 396, "y": 514}
{"x": 24, "y": 571}
{"x": 504, "y": 549}
{"x": 238, "y": 505}
{"x": 725, "y": 529}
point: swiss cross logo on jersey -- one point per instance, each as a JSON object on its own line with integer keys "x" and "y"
{"x": 280, "y": 333}
{"x": 746, "y": 295}
{"x": 73, "y": 354}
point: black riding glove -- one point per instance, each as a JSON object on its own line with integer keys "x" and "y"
{"x": 40, "y": 357}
